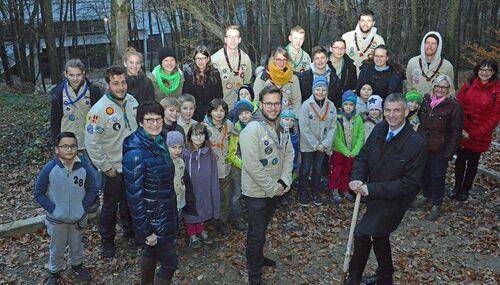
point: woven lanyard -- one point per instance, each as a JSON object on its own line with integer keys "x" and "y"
{"x": 321, "y": 117}
{"x": 237, "y": 72}
{"x": 78, "y": 97}
{"x": 122, "y": 107}
{"x": 362, "y": 53}
{"x": 433, "y": 74}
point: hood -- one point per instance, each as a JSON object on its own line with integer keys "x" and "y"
{"x": 437, "y": 56}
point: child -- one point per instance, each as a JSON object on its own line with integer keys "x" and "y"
{"x": 66, "y": 189}
{"x": 243, "y": 112}
{"x": 219, "y": 130}
{"x": 374, "y": 115}
{"x": 362, "y": 101}
{"x": 187, "y": 104}
{"x": 317, "y": 119}
{"x": 171, "y": 106}
{"x": 414, "y": 100}
{"x": 244, "y": 93}
{"x": 202, "y": 167}
{"x": 347, "y": 143}
{"x": 289, "y": 124}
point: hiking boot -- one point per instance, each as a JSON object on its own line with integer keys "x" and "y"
{"x": 369, "y": 280}
{"x": 336, "y": 197}
{"x": 303, "y": 199}
{"x": 81, "y": 273}
{"x": 434, "y": 214}
{"x": 53, "y": 279}
{"x": 420, "y": 202}
{"x": 317, "y": 200}
{"x": 148, "y": 268}
{"x": 194, "y": 242}
{"x": 269, "y": 262}
{"x": 349, "y": 197}
{"x": 463, "y": 195}
{"x": 205, "y": 239}
{"x": 161, "y": 281}
{"x": 108, "y": 249}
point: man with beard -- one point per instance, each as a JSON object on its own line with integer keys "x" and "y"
{"x": 363, "y": 39}
{"x": 234, "y": 66}
{"x": 387, "y": 172}
{"x": 109, "y": 122}
{"x": 267, "y": 155}
{"x": 429, "y": 64}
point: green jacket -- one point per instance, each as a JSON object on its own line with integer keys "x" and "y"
{"x": 339, "y": 143}
{"x": 234, "y": 152}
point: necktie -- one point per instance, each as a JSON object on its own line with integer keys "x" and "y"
{"x": 389, "y": 138}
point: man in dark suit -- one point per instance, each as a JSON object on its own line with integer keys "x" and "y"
{"x": 387, "y": 172}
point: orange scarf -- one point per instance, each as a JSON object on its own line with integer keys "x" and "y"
{"x": 278, "y": 76}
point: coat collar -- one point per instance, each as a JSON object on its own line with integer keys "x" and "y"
{"x": 399, "y": 140}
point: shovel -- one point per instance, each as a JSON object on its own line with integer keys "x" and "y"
{"x": 348, "y": 251}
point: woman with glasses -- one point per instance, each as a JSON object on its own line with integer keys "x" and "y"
{"x": 479, "y": 99}
{"x": 202, "y": 81}
{"x": 441, "y": 126}
{"x": 149, "y": 182}
{"x": 279, "y": 73}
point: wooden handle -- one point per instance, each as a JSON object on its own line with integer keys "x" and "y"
{"x": 347, "y": 256}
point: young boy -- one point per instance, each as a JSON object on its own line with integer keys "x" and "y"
{"x": 347, "y": 143}
{"x": 299, "y": 59}
{"x": 66, "y": 189}
{"x": 289, "y": 124}
{"x": 243, "y": 112}
{"x": 414, "y": 99}
{"x": 187, "y": 104}
{"x": 374, "y": 115}
{"x": 171, "y": 106}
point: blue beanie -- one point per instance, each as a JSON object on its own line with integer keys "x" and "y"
{"x": 349, "y": 96}
{"x": 288, "y": 113}
{"x": 319, "y": 81}
{"x": 241, "y": 106}
{"x": 174, "y": 138}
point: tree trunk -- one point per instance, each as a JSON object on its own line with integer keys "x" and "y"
{"x": 50, "y": 41}
{"x": 453, "y": 32}
{"x": 4, "y": 57}
{"x": 119, "y": 28}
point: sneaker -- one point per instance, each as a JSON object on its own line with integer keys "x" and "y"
{"x": 194, "y": 242}
{"x": 420, "y": 202}
{"x": 303, "y": 200}
{"x": 317, "y": 200}
{"x": 108, "y": 249}
{"x": 434, "y": 214}
{"x": 53, "y": 279}
{"x": 349, "y": 197}
{"x": 205, "y": 239}
{"x": 269, "y": 262}
{"x": 336, "y": 198}
{"x": 81, "y": 273}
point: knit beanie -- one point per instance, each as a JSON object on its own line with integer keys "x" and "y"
{"x": 434, "y": 37}
{"x": 375, "y": 102}
{"x": 289, "y": 113}
{"x": 349, "y": 96}
{"x": 164, "y": 53}
{"x": 250, "y": 90}
{"x": 175, "y": 138}
{"x": 414, "y": 96}
{"x": 319, "y": 81}
{"x": 242, "y": 106}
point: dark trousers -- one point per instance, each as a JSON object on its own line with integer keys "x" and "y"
{"x": 433, "y": 181}
{"x": 362, "y": 246}
{"x": 260, "y": 211}
{"x": 466, "y": 168}
{"x": 166, "y": 254}
{"x": 114, "y": 199}
{"x": 310, "y": 160}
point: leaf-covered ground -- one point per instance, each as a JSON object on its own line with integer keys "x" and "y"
{"x": 308, "y": 244}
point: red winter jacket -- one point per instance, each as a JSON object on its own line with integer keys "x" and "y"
{"x": 481, "y": 113}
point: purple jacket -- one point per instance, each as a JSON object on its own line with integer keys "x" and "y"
{"x": 202, "y": 168}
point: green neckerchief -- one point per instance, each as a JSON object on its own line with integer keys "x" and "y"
{"x": 160, "y": 142}
{"x": 161, "y": 75}
{"x": 291, "y": 57}
{"x": 122, "y": 106}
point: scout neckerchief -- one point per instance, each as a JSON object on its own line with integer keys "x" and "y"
{"x": 338, "y": 71}
{"x": 237, "y": 72}
{"x": 78, "y": 97}
{"x": 280, "y": 144}
{"x": 123, "y": 107}
{"x": 362, "y": 53}
{"x": 295, "y": 64}
{"x": 433, "y": 74}
{"x": 161, "y": 75}
{"x": 277, "y": 75}
{"x": 222, "y": 143}
{"x": 323, "y": 116}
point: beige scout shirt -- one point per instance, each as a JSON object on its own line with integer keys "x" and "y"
{"x": 352, "y": 50}
{"x": 75, "y": 113}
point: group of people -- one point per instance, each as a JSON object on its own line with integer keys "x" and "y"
{"x": 182, "y": 145}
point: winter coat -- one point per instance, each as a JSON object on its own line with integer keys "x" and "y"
{"x": 141, "y": 87}
{"x": 481, "y": 113}
{"x": 66, "y": 196}
{"x": 159, "y": 93}
{"x": 202, "y": 94}
{"x": 393, "y": 172}
{"x": 202, "y": 168}
{"x": 315, "y": 130}
{"x": 383, "y": 82}
{"x": 148, "y": 172}
{"x": 339, "y": 141}
{"x": 442, "y": 126}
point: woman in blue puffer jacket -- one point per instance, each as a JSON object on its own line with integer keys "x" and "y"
{"x": 149, "y": 181}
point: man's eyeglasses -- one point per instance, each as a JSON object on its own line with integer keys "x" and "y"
{"x": 271, "y": 104}
{"x": 67, "y": 147}
{"x": 152, "y": 121}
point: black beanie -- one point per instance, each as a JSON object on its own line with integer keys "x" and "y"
{"x": 165, "y": 52}
{"x": 250, "y": 90}
{"x": 434, "y": 37}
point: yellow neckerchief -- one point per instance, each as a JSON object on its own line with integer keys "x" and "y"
{"x": 278, "y": 76}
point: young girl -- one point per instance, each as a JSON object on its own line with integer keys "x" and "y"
{"x": 346, "y": 145}
{"x": 202, "y": 167}
{"x": 138, "y": 84}
{"x": 187, "y": 104}
{"x": 364, "y": 92}
{"x": 219, "y": 131}
{"x": 374, "y": 115}
{"x": 414, "y": 100}
{"x": 167, "y": 78}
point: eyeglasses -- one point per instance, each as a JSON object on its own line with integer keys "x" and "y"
{"x": 153, "y": 120}
{"x": 271, "y": 104}
{"x": 79, "y": 75}
{"x": 198, "y": 135}
{"x": 280, "y": 60}
{"x": 338, "y": 48}
{"x": 441, "y": 87}
{"x": 486, "y": 70}
{"x": 67, "y": 147}
{"x": 201, "y": 58}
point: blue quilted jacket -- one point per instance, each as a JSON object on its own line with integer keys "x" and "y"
{"x": 149, "y": 181}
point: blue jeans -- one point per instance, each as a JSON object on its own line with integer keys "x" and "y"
{"x": 310, "y": 160}
{"x": 235, "y": 195}
{"x": 166, "y": 253}
{"x": 433, "y": 181}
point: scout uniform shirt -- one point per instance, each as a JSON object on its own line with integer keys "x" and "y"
{"x": 219, "y": 143}
{"x": 233, "y": 74}
{"x": 364, "y": 47}
{"x": 75, "y": 109}
{"x": 292, "y": 97}
{"x": 300, "y": 62}
{"x": 266, "y": 159}
{"x": 108, "y": 124}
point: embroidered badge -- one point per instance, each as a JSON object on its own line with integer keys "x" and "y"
{"x": 268, "y": 150}
{"x": 116, "y": 126}
{"x": 109, "y": 110}
{"x": 275, "y": 161}
{"x": 94, "y": 119}
{"x": 71, "y": 117}
{"x": 90, "y": 129}
{"x": 99, "y": 129}
{"x": 264, "y": 162}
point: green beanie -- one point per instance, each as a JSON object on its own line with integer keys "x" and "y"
{"x": 414, "y": 96}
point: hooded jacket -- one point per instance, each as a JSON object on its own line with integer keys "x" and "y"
{"x": 317, "y": 125}
{"x": 383, "y": 82}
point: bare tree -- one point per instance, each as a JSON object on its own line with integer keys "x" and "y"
{"x": 119, "y": 28}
